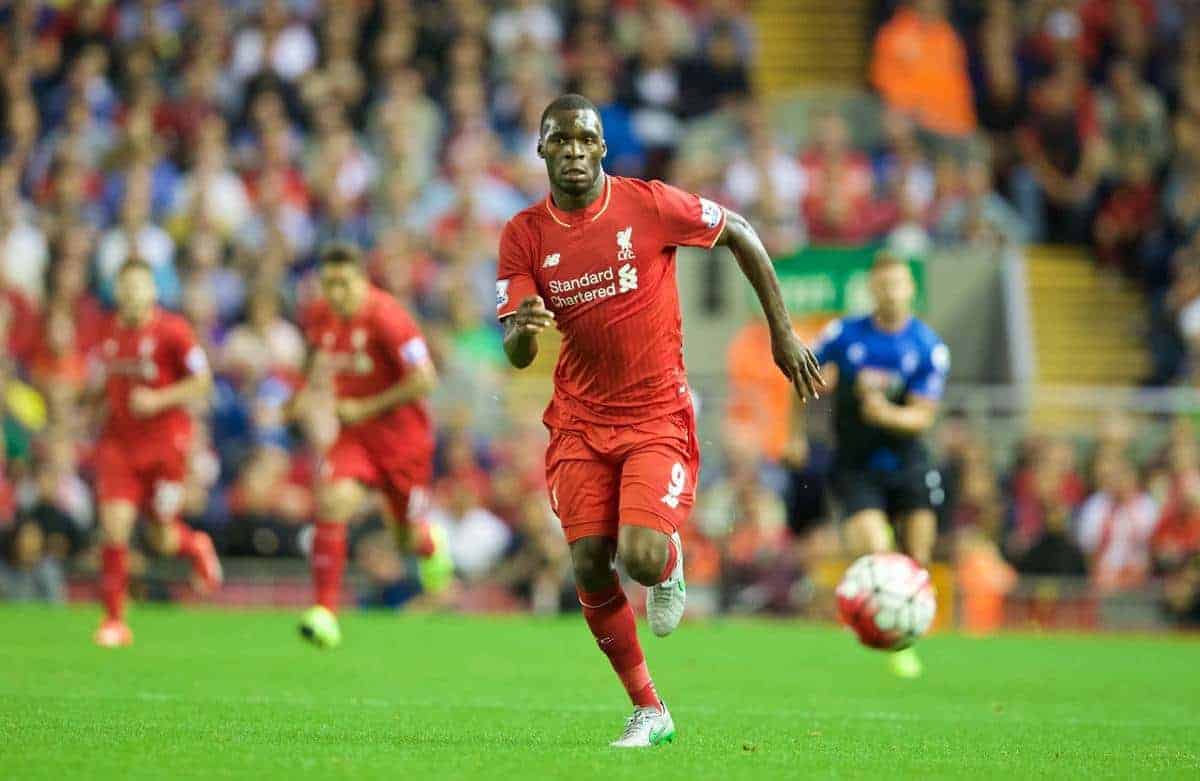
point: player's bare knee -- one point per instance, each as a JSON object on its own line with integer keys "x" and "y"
{"x": 116, "y": 522}
{"x": 113, "y": 534}
{"x": 337, "y": 501}
{"x": 592, "y": 561}
{"x": 643, "y": 553}
{"x": 868, "y": 532}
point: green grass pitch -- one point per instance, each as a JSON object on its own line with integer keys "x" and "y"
{"x": 206, "y": 694}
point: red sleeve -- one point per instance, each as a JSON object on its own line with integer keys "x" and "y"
{"x": 400, "y": 337}
{"x": 687, "y": 219}
{"x": 514, "y": 281}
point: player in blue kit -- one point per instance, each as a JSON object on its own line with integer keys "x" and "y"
{"x": 888, "y": 370}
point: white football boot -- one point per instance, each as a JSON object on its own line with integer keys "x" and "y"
{"x": 665, "y": 602}
{"x": 647, "y": 727}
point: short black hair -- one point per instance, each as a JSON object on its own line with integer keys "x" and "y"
{"x": 341, "y": 253}
{"x": 571, "y": 101}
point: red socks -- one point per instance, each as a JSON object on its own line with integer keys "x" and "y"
{"x": 187, "y": 541}
{"x": 611, "y": 620}
{"x": 114, "y": 578}
{"x": 328, "y": 562}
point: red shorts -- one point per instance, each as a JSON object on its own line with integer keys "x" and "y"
{"x": 387, "y": 464}
{"x": 643, "y": 474}
{"x": 147, "y": 475}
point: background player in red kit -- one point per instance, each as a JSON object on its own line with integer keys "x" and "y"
{"x": 151, "y": 369}
{"x": 368, "y": 345}
{"x": 597, "y": 259}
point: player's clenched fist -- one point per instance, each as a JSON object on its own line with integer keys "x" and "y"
{"x": 532, "y": 316}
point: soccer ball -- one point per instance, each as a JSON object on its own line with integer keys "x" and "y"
{"x": 887, "y": 599}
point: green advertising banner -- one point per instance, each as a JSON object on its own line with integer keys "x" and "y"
{"x": 833, "y": 280}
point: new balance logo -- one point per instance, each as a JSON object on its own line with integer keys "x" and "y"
{"x": 627, "y": 278}
{"x": 551, "y": 260}
{"x": 625, "y": 244}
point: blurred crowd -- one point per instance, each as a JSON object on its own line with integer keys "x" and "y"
{"x": 1091, "y": 111}
{"x": 908, "y": 189}
{"x": 1097, "y": 508}
{"x": 224, "y": 142}
{"x": 1104, "y": 507}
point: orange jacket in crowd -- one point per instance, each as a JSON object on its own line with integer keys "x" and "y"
{"x": 920, "y": 68}
{"x": 760, "y": 397}
{"x": 985, "y": 579}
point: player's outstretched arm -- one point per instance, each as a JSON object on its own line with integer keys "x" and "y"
{"x": 521, "y": 330}
{"x": 792, "y": 357}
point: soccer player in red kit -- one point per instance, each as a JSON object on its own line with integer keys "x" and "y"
{"x": 149, "y": 367}
{"x": 597, "y": 260}
{"x": 371, "y": 349}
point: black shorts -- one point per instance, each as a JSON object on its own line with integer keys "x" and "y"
{"x": 913, "y": 487}
{"x": 806, "y": 500}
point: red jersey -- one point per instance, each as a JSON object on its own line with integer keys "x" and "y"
{"x": 372, "y": 351}
{"x": 608, "y": 273}
{"x": 159, "y": 353}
